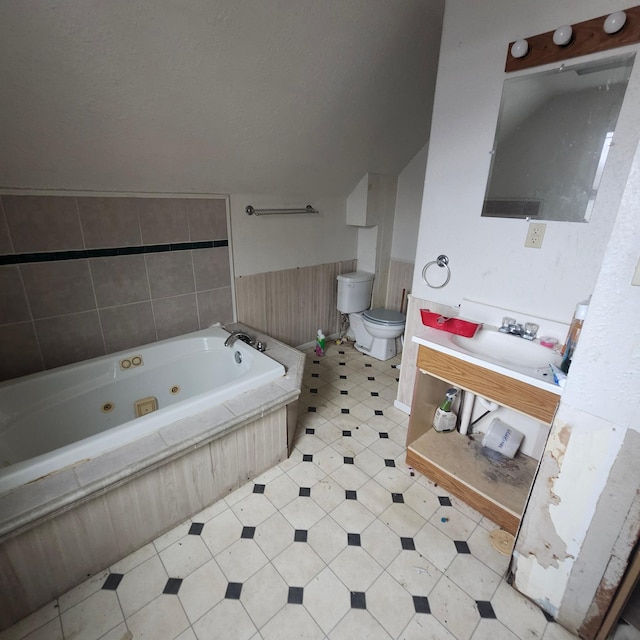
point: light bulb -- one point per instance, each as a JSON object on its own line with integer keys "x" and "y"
{"x": 519, "y": 48}
{"x": 614, "y": 22}
{"x": 562, "y": 35}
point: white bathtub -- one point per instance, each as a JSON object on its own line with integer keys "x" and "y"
{"x": 58, "y": 418}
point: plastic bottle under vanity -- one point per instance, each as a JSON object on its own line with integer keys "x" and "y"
{"x": 574, "y": 334}
{"x": 321, "y": 343}
{"x": 444, "y": 418}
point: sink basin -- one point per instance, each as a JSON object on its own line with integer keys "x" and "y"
{"x": 490, "y": 344}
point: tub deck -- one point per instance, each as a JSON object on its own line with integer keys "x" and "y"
{"x": 60, "y": 528}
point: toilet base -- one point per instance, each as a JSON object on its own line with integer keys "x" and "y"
{"x": 379, "y": 348}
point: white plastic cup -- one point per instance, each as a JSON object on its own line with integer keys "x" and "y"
{"x": 502, "y": 438}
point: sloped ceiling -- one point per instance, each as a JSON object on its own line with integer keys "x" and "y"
{"x": 268, "y": 96}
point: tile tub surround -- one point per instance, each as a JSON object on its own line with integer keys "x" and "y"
{"x": 65, "y": 526}
{"x": 339, "y": 541}
{"x": 85, "y": 276}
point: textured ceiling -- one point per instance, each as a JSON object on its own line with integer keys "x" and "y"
{"x": 270, "y": 96}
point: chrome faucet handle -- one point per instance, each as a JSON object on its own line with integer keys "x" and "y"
{"x": 530, "y": 330}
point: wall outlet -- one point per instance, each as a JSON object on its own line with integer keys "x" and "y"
{"x": 535, "y": 235}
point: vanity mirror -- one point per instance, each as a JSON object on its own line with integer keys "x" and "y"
{"x": 553, "y": 135}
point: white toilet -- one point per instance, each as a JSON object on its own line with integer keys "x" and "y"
{"x": 375, "y": 330}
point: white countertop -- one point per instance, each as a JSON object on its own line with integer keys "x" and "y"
{"x": 442, "y": 341}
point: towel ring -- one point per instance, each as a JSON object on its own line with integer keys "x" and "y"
{"x": 441, "y": 261}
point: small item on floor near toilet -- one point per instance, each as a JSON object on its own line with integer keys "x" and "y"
{"x": 321, "y": 343}
{"x": 444, "y": 418}
{"x": 502, "y": 438}
{"x": 502, "y": 541}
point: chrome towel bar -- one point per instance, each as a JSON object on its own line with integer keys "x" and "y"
{"x": 250, "y": 211}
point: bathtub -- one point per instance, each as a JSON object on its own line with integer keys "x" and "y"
{"x": 55, "y": 419}
{"x": 87, "y": 483}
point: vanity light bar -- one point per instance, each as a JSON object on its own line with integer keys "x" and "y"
{"x": 617, "y": 29}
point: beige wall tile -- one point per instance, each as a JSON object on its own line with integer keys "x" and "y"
{"x": 19, "y": 351}
{"x": 70, "y": 338}
{"x": 175, "y": 316}
{"x": 119, "y": 280}
{"x": 214, "y": 306}
{"x": 207, "y": 219}
{"x": 42, "y": 223}
{"x": 13, "y": 301}
{"x": 109, "y": 222}
{"x": 163, "y": 220}
{"x": 57, "y": 288}
{"x": 127, "y": 326}
{"x": 170, "y": 274}
{"x": 211, "y": 268}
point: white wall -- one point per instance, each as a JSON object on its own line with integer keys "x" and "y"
{"x": 487, "y": 256}
{"x": 408, "y": 207}
{"x": 276, "y": 242}
{"x": 570, "y": 510}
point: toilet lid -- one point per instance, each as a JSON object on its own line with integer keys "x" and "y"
{"x": 384, "y": 316}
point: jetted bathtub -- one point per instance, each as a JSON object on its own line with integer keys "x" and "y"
{"x": 58, "y": 418}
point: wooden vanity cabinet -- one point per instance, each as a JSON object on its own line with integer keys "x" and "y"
{"x": 496, "y": 486}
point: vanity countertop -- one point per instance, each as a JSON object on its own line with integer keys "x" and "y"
{"x": 443, "y": 342}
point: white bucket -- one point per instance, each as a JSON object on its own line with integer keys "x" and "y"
{"x": 502, "y": 438}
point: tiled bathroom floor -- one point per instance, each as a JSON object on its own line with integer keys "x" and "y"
{"x": 340, "y": 541}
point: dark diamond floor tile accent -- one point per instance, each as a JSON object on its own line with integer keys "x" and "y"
{"x": 346, "y": 434}
{"x": 368, "y": 364}
{"x": 309, "y": 431}
{"x": 350, "y": 495}
{"x": 307, "y": 457}
{"x": 444, "y": 501}
{"x": 371, "y": 378}
{"x": 353, "y": 540}
{"x": 173, "y": 586}
{"x": 316, "y": 362}
{"x": 384, "y": 435}
{"x": 341, "y": 353}
{"x": 248, "y": 533}
{"x": 343, "y": 392}
{"x": 548, "y": 616}
{"x": 313, "y": 391}
{"x": 258, "y": 488}
{"x": 348, "y": 460}
{"x": 485, "y": 609}
{"x": 234, "y": 589}
{"x": 408, "y": 544}
{"x": 389, "y": 463}
{"x": 305, "y": 492}
{"x": 344, "y": 410}
{"x": 462, "y": 546}
{"x": 358, "y": 600}
{"x": 300, "y": 535}
{"x": 342, "y": 364}
{"x": 112, "y": 581}
{"x": 311, "y": 409}
{"x": 397, "y": 379}
{"x": 196, "y": 528}
{"x": 295, "y": 595}
{"x": 374, "y": 394}
{"x": 343, "y": 377}
{"x": 421, "y": 604}
{"x": 379, "y": 412}
{"x": 397, "y": 498}
{"x": 315, "y": 375}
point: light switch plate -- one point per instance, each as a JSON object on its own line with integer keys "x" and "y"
{"x": 535, "y": 235}
{"x": 636, "y": 276}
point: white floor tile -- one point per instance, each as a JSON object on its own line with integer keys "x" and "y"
{"x": 405, "y": 522}
{"x": 356, "y": 568}
{"x": 241, "y": 560}
{"x": 327, "y": 599}
{"x": 454, "y": 609}
{"x": 359, "y": 624}
{"x": 82, "y": 591}
{"x": 253, "y": 509}
{"x": 473, "y": 577}
{"x": 327, "y": 538}
{"x": 517, "y": 613}
{"x": 425, "y": 626}
{"x": 414, "y": 572}
{"x": 274, "y": 535}
{"x": 298, "y": 564}
{"x": 93, "y": 617}
{"x": 52, "y": 630}
{"x": 302, "y": 513}
{"x": 489, "y": 629}
{"x": 381, "y": 543}
{"x": 222, "y": 531}
{"x": 390, "y": 604}
{"x": 352, "y": 516}
{"x": 185, "y": 556}
{"x": 141, "y": 585}
{"x": 281, "y": 491}
{"x": 228, "y": 619}
{"x": 293, "y": 622}
{"x": 202, "y": 590}
{"x": 264, "y": 594}
{"x": 32, "y": 622}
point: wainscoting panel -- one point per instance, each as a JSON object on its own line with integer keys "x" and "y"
{"x": 400, "y": 279}
{"x": 291, "y": 305}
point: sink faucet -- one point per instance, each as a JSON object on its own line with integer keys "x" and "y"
{"x": 239, "y": 334}
{"x": 527, "y": 331}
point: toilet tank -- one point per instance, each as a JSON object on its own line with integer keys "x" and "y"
{"x": 354, "y": 291}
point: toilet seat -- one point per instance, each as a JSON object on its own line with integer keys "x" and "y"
{"x": 384, "y": 317}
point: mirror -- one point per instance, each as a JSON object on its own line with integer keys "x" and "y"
{"x": 552, "y": 140}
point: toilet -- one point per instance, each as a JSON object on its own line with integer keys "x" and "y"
{"x": 375, "y": 330}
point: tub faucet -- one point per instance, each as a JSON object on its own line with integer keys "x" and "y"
{"x": 238, "y": 334}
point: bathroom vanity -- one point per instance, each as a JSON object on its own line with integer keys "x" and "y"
{"x": 496, "y": 486}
